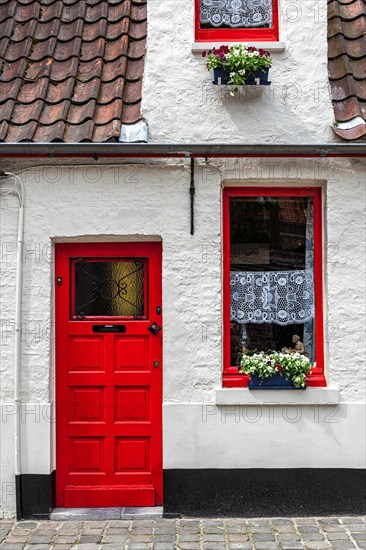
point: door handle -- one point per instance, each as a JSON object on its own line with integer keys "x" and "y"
{"x": 154, "y": 328}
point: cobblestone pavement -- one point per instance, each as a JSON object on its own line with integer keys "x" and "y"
{"x": 341, "y": 533}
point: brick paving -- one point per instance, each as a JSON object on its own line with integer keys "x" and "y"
{"x": 337, "y": 533}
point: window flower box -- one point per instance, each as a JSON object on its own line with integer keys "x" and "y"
{"x": 275, "y": 382}
{"x": 239, "y": 65}
{"x": 277, "y": 370}
{"x": 257, "y": 78}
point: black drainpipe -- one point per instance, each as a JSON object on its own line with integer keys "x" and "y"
{"x": 192, "y": 191}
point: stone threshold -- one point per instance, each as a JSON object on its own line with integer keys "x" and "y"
{"x": 102, "y": 514}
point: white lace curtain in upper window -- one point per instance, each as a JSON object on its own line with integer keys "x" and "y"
{"x": 280, "y": 297}
{"x": 236, "y": 13}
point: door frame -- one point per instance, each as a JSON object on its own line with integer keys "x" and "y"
{"x": 63, "y": 251}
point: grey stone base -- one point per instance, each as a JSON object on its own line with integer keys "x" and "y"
{"x": 89, "y": 514}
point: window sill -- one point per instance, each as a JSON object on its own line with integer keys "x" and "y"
{"x": 198, "y": 47}
{"x": 310, "y": 396}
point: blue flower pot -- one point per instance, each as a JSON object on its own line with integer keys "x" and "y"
{"x": 220, "y": 73}
{"x": 221, "y": 76}
{"x": 262, "y": 75}
{"x": 275, "y": 382}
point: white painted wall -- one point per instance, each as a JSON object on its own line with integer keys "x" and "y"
{"x": 181, "y": 104}
{"x": 152, "y": 202}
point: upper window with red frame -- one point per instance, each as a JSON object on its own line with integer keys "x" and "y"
{"x": 236, "y": 20}
{"x": 273, "y": 275}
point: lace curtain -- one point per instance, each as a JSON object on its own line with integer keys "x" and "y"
{"x": 236, "y": 13}
{"x": 281, "y": 297}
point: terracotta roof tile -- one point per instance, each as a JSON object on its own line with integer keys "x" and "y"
{"x": 111, "y": 70}
{"x": 44, "y": 30}
{"x": 136, "y": 50}
{"x": 6, "y": 110}
{"x": 23, "y": 132}
{"x": 66, "y": 50}
{"x": 351, "y": 134}
{"x": 60, "y": 70}
{"x": 13, "y": 51}
{"x": 51, "y": 11}
{"x": 52, "y": 113}
{"x": 118, "y": 11}
{"x": 94, "y": 30}
{"x": 31, "y": 91}
{"x": 347, "y": 66}
{"x": 3, "y": 129}
{"x": 134, "y": 67}
{"x": 92, "y": 50}
{"x": 338, "y": 45}
{"x": 132, "y": 92}
{"x": 107, "y": 132}
{"x": 111, "y": 90}
{"x": 12, "y": 70}
{"x": 41, "y": 50}
{"x": 84, "y": 91}
{"x": 347, "y": 87}
{"x": 74, "y": 11}
{"x": 58, "y": 91}
{"x": 347, "y": 109}
{"x": 20, "y": 32}
{"x": 25, "y": 12}
{"x": 39, "y": 69}
{"x": 343, "y": 65}
{"x": 106, "y": 113}
{"x": 7, "y": 12}
{"x": 91, "y": 69}
{"x": 24, "y": 113}
{"x": 131, "y": 113}
{"x": 79, "y": 132}
{"x": 10, "y": 89}
{"x": 116, "y": 48}
{"x": 80, "y": 113}
{"x": 70, "y": 70}
{"x": 53, "y": 132}
{"x": 349, "y": 29}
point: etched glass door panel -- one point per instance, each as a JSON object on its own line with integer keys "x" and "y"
{"x": 109, "y": 288}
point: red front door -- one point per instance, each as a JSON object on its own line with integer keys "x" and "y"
{"x": 108, "y": 374}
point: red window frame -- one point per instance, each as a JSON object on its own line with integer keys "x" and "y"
{"x": 237, "y": 35}
{"x": 231, "y": 377}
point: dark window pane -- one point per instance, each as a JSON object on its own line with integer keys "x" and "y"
{"x": 271, "y": 274}
{"x": 109, "y": 288}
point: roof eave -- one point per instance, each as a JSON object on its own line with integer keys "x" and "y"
{"x": 174, "y": 150}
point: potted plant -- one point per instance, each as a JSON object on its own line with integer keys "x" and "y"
{"x": 276, "y": 370}
{"x": 238, "y": 65}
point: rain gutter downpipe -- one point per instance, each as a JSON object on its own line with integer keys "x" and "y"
{"x": 17, "y": 333}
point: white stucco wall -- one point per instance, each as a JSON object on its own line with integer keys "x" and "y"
{"x": 296, "y": 108}
{"x": 152, "y": 202}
